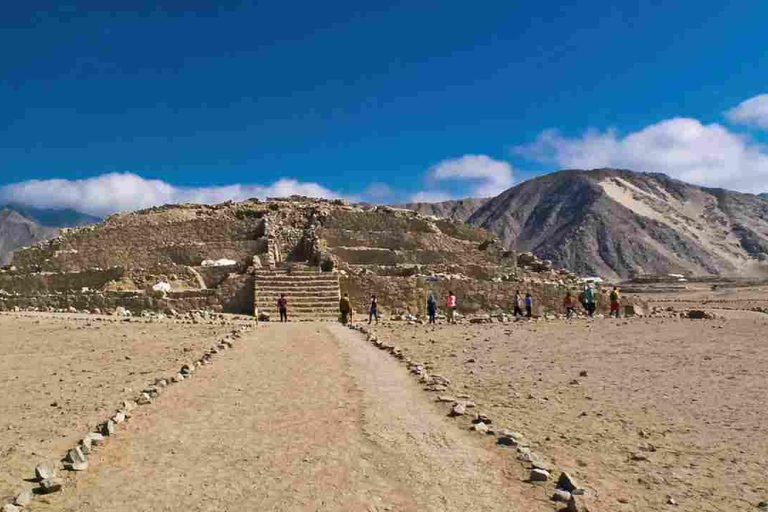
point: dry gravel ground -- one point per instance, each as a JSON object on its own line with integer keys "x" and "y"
{"x": 311, "y": 417}
{"x": 669, "y": 408}
{"x": 296, "y": 417}
{"x": 60, "y": 375}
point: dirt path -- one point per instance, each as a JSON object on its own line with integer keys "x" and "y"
{"x": 298, "y": 417}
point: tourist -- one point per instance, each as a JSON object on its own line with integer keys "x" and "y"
{"x": 373, "y": 312}
{"x": 569, "y": 303}
{"x": 346, "y": 309}
{"x": 282, "y": 305}
{"x": 528, "y": 305}
{"x": 432, "y": 309}
{"x": 518, "y": 308}
{"x": 615, "y": 302}
{"x": 451, "y": 303}
{"x": 590, "y": 300}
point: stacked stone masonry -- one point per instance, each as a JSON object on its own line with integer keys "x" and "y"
{"x": 399, "y": 255}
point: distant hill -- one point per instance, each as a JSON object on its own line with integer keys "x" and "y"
{"x": 616, "y": 223}
{"x": 460, "y": 209}
{"x": 22, "y": 226}
{"x": 54, "y": 218}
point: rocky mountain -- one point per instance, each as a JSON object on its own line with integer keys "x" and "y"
{"x": 54, "y": 218}
{"x": 460, "y": 210}
{"x": 21, "y": 226}
{"x": 618, "y": 223}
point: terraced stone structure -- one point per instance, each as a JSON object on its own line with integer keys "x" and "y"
{"x": 238, "y": 258}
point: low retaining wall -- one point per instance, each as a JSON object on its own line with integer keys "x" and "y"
{"x": 409, "y": 294}
{"x": 136, "y": 302}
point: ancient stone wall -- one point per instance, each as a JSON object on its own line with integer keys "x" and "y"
{"x": 51, "y": 282}
{"x": 409, "y": 294}
{"x": 183, "y": 236}
{"x": 236, "y": 294}
{"x": 136, "y": 302}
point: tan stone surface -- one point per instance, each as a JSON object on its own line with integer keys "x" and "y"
{"x": 298, "y": 417}
{"x": 60, "y": 375}
{"x": 667, "y": 407}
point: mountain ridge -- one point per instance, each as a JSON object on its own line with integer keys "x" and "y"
{"x": 618, "y": 223}
{"x": 22, "y": 226}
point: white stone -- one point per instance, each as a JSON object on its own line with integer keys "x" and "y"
{"x": 24, "y": 498}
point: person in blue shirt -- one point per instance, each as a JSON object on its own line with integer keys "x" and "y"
{"x": 528, "y": 305}
{"x": 432, "y": 309}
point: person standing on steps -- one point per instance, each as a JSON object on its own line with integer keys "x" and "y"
{"x": 374, "y": 310}
{"x": 518, "y": 306}
{"x": 432, "y": 309}
{"x": 346, "y": 309}
{"x": 615, "y": 302}
{"x": 282, "y": 305}
{"x": 451, "y": 303}
{"x": 528, "y": 305}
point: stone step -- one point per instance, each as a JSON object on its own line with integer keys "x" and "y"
{"x": 297, "y": 286}
{"x": 302, "y": 272}
{"x": 303, "y": 312}
{"x": 295, "y": 273}
{"x": 298, "y": 281}
{"x": 298, "y": 294}
{"x": 303, "y": 298}
{"x": 300, "y": 305}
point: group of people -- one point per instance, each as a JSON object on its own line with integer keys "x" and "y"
{"x": 345, "y": 308}
{"x": 588, "y": 300}
{"x": 522, "y": 306}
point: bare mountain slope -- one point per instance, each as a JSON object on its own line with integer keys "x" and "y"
{"x": 460, "y": 210}
{"x": 22, "y": 226}
{"x": 615, "y": 223}
{"x": 17, "y": 231}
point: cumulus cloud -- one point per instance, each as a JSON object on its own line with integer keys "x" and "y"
{"x": 484, "y": 177}
{"x": 752, "y": 112}
{"x": 494, "y": 176}
{"x": 116, "y": 192}
{"x": 683, "y": 148}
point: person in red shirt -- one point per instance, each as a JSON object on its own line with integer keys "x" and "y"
{"x": 282, "y": 305}
{"x": 451, "y": 303}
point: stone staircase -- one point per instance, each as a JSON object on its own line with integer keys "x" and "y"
{"x": 311, "y": 294}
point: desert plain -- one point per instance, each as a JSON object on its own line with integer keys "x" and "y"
{"x": 647, "y": 413}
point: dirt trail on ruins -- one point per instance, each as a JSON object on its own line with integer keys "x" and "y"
{"x": 298, "y": 417}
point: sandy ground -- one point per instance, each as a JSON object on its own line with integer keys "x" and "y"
{"x": 60, "y": 375}
{"x": 297, "y": 417}
{"x": 311, "y": 417}
{"x": 666, "y": 408}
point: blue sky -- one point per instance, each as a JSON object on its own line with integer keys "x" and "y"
{"x": 421, "y": 99}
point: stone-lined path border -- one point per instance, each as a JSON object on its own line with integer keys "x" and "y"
{"x": 49, "y": 477}
{"x": 567, "y": 490}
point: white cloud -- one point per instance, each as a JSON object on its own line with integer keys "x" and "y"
{"x": 494, "y": 176}
{"x": 116, "y": 192}
{"x": 484, "y": 177}
{"x": 752, "y": 112}
{"x": 683, "y": 148}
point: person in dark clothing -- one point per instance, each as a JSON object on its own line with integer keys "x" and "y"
{"x": 432, "y": 309}
{"x": 282, "y": 305}
{"x": 528, "y": 305}
{"x": 374, "y": 310}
